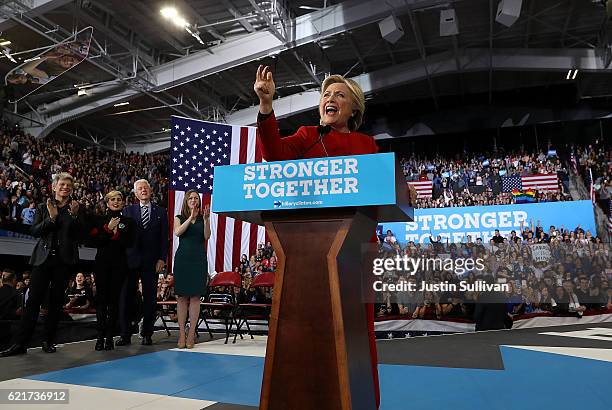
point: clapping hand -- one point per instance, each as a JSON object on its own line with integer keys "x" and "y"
{"x": 195, "y": 211}
{"x": 74, "y": 207}
{"x": 114, "y": 222}
{"x": 52, "y": 208}
{"x": 206, "y": 211}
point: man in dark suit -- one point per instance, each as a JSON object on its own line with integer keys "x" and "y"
{"x": 145, "y": 259}
{"x": 58, "y": 225}
{"x": 10, "y": 304}
{"x": 490, "y": 311}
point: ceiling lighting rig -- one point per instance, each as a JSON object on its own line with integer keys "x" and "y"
{"x": 172, "y": 14}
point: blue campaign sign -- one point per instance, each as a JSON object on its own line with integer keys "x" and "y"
{"x": 356, "y": 180}
{"x": 481, "y": 221}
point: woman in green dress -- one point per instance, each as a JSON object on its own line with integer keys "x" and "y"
{"x": 192, "y": 227}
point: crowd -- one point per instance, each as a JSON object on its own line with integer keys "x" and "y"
{"x": 595, "y": 161}
{"x": 95, "y": 173}
{"x": 477, "y": 179}
{"x": 554, "y": 271}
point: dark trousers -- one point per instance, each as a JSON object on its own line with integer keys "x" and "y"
{"x": 51, "y": 276}
{"x": 149, "y": 300}
{"x": 109, "y": 281}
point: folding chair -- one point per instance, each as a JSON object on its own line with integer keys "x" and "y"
{"x": 220, "y": 307}
{"x": 166, "y": 308}
{"x": 257, "y": 313}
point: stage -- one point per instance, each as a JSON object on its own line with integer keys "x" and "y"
{"x": 564, "y": 367}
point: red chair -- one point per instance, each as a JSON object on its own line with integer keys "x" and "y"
{"x": 221, "y": 306}
{"x": 255, "y": 312}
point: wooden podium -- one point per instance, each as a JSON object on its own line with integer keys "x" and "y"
{"x": 318, "y": 354}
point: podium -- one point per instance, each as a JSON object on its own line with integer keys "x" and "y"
{"x": 318, "y": 353}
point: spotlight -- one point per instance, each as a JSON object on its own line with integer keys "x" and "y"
{"x": 169, "y": 12}
{"x": 180, "y": 22}
{"x": 508, "y": 11}
{"x": 121, "y": 104}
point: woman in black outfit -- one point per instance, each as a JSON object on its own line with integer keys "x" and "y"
{"x": 112, "y": 234}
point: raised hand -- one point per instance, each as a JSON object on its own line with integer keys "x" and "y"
{"x": 206, "y": 211}
{"x": 264, "y": 88}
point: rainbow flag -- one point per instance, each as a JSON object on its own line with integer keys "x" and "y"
{"x": 524, "y": 197}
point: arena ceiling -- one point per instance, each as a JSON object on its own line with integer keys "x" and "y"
{"x": 204, "y": 67}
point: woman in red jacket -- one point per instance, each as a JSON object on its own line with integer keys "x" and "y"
{"x": 341, "y": 109}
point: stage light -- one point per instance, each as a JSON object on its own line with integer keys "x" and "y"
{"x": 173, "y": 15}
{"x": 180, "y": 22}
{"x": 4, "y": 42}
{"x": 169, "y": 12}
{"x": 121, "y": 104}
{"x": 571, "y": 74}
{"x": 31, "y": 59}
{"x": 508, "y": 11}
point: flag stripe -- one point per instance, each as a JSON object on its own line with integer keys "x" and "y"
{"x": 220, "y": 241}
{"x": 174, "y": 244}
{"x": 237, "y": 238}
{"x": 541, "y": 182}
{"x": 423, "y": 189}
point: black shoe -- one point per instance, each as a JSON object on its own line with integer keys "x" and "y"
{"x": 124, "y": 341}
{"x": 146, "y": 341}
{"x": 110, "y": 344}
{"x": 48, "y": 347}
{"x": 14, "y": 350}
{"x": 99, "y": 345}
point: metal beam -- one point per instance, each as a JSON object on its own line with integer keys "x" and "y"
{"x": 190, "y": 14}
{"x": 308, "y": 28}
{"x": 110, "y": 33}
{"x": 568, "y": 18}
{"x": 292, "y": 73}
{"x": 230, "y": 7}
{"x": 472, "y": 60}
{"x": 417, "y": 35}
{"x": 528, "y": 28}
{"x": 308, "y": 68}
{"x": 455, "y": 41}
{"x": 34, "y": 8}
{"x": 270, "y": 23}
{"x": 356, "y": 51}
{"x": 148, "y": 12}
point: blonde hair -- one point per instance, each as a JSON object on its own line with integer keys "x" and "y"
{"x": 112, "y": 194}
{"x": 358, "y": 98}
{"x": 61, "y": 176}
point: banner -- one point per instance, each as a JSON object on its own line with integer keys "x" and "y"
{"x": 47, "y": 66}
{"x": 481, "y": 221}
{"x": 308, "y": 183}
{"x": 540, "y": 252}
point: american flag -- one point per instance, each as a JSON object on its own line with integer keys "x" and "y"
{"x": 423, "y": 188}
{"x": 196, "y": 148}
{"x": 541, "y": 182}
{"x": 538, "y": 182}
{"x": 610, "y": 215}
{"x": 511, "y": 183}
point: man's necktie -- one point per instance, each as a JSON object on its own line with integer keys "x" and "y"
{"x": 145, "y": 216}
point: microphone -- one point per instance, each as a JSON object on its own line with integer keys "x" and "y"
{"x": 323, "y": 131}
